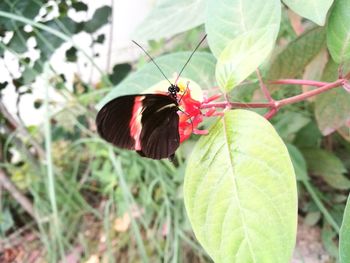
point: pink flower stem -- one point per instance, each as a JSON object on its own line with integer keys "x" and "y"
{"x": 274, "y": 106}
{"x": 299, "y": 82}
{"x": 311, "y": 93}
{"x": 263, "y": 87}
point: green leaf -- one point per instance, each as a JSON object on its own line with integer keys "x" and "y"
{"x": 289, "y": 122}
{"x": 338, "y": 31}
{"x": 100, "y": 18}
{"x": 200, "y": 70}
{"x": 227, "y": 19}
{"x": 242, "y": 56}
{"x": 344, "y": 131}
{"x": 344, "y": 235}
{"x": 328, "y": 236}
{"x": 171, "y": 17}
{"x": 6, "y": 221}
{"x": 299, "y": 162}
{"x": 244, "y": 92}
{"x": 120, "y": 71}
{"x": 315, "y": 10}
{"x": 28, "y": 9}
{"x": 47, "y": 43}
{"x": 3, "y": 85}
{"x": 240, "y": 191}
{"x": 79, "y": 6}
{"x": 309, "y": 136}
{"x": 297, "y": 55}
{"x": 312, "y": 218}
{"x": 18, "y": 42}
{"x": 71, "y": 54}
{"x": 328, "y": 166}
{"x": 332, "y": 108}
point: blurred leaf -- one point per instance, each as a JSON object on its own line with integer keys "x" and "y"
{"x": 344, "y": 235}
{"x": 344, "y": 131}
{"x": 120, "y": 71}
{"x": 100, "y": 38}
{"x": 242, "y": 56}
{"x": 309, "y": 136}
{"x": 332, "y": 108}
{"x": 63, "y": 8}
{"x": 228, "y": 19}
{"x": 289, "y": 122}
{"x": 328, "y": 166}
{"x": 48, "y": 43}
{"x": 28, "y": 75}
{"x": 200, "y": 70}
{"x": 28, "y": 9}
{"x": 315, "y": 10}
{"x": 312, "y": 218}
{"x": 290, "y": 63}
{"x": 6, "y": 220}
{"x": 244, "y": 92}
{"x": 3, "y": 85}
{"x": 338, "y": 31}
{"x": 38, "y": 103}
{"x": 315, "y": 68}
{"x": 79, "y": 6}
{"x": 170, "y": 17}
{"x": 328, "y": 236}
{"x": 340, "y": 198}
{"x": 235, "y": 191}
{"x": 19, "y": 41}
{"x": 71, "y": 54}
{"x": 298, "y": 161}
{"x": 100, "y": 18}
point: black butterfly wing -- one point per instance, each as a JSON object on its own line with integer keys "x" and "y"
{"x": 159, "y": 136}
{"x": 160, "y": 127}
{"x": 113, "y": 122}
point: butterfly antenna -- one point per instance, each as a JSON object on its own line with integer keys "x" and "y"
{"x": 152, "y": 60}
{"x": 188, "y": 60}
{"x": 184, "y": 92}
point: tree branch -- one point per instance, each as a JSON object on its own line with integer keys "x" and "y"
{"x": 15, "y": 125}
{"x": 16, "y": 194}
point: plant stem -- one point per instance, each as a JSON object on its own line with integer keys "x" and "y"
{"x": 263, "y": 87}
{"x": 311, "y": 93}
{"x": 273, "y": 105}
{"x": 110, "y": 41}
{"x": 299, "y": 82}
{"x": 13, "y": 124}
{"x": 322, "y": 208}
{"x": 16, "y": 194}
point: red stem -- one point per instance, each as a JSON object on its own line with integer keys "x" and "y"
{"x": 311, "y": 93}
{"x": 300, "y": 82}
{"x": 236, "y": 105}
{"x": 263, "y": 87}
{"x": 275, "y": 105}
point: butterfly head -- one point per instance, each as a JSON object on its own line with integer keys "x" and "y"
{"x": 173, "y": 90}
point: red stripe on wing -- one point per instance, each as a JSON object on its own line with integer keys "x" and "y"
{"x": 135, "y": 122}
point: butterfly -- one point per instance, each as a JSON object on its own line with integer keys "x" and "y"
{"x": 146, "y": 123}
